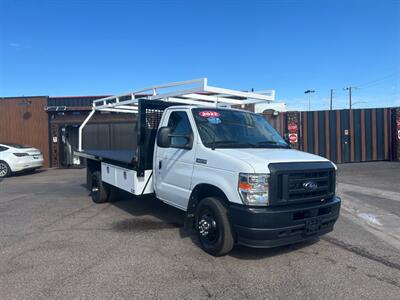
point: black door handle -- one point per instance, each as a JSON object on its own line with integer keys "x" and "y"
{"x": 160, "y": 164}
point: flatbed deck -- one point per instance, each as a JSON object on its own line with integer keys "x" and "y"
{"x": 119, "y": 156}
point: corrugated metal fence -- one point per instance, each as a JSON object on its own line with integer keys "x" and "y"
{"x": 343, "y": 135}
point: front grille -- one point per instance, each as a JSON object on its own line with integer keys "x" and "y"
{"x": 301, "y": 182}
{"x": 296, "y": 181}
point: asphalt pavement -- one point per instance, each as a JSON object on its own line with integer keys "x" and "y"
{"x": 55, "y": 243}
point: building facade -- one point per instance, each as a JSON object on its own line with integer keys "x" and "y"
{"x": 23, "y": 120}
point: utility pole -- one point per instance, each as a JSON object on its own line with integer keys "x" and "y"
{"x": 349, "y": 88}
{"x": 331, "y": 100}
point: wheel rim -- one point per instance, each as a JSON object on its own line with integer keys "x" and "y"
{"x": 208, "y": 228}
{"x": 3, "y": 169}
{"x": 95, "y": 188}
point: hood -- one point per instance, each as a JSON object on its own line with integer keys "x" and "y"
{"x": 259, "y": 158}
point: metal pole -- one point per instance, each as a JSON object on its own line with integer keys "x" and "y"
{"x": 309, "y": 98}
{"x": 350, "y": 96}
{"x": 349, "y": 88}
{"x": 81, "y": 128}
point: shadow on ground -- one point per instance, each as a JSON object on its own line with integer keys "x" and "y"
{"x": 28, "y": 173}
{"x": 149, "y": 213}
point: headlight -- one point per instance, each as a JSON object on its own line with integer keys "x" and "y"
{"x": 253, "y": 188}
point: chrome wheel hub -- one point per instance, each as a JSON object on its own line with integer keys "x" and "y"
{"x": 206, "y": 225}
{"x": 3, "y": 169}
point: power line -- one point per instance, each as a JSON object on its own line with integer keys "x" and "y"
{"x": 372, "y": 82}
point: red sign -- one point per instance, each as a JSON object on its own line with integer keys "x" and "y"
{"x": 209, "y": 114}
{"x": 293, "y": 138}
{"x": 292, "y": 127}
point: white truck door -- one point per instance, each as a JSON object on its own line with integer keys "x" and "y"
{"x": 174, "y": 166}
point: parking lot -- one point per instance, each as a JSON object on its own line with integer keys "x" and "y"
{"x": 56, "y": 243}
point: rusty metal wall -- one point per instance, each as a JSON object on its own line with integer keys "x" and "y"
{"x": 23, "y": 120}
{"x": 347, "y": 135}
{"x": 343, "y": 135}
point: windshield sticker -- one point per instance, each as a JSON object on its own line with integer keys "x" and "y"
{"x": 214, "y": 120}
{"x": 209, "y": 114}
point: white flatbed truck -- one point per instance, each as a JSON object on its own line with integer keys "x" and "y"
{"x": 237, "y": 180}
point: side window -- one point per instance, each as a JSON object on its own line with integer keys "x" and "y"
{"x": 180, "y": 125}
{"x": 3, "y": 148}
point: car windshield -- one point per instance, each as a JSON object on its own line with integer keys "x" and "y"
{"x": 225, "y": 128}
{"x": 15, "y": 145}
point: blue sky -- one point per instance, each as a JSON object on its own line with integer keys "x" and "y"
{"x": 83, "y": 47}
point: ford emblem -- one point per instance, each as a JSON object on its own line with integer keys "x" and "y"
{"x": 310, "y": 185}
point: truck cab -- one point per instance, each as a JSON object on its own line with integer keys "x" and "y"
{"x": 235, "y": 177}
{"x": 239, "y": 181}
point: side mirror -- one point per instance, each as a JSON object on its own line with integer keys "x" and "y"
{"x": 164, "y": 137}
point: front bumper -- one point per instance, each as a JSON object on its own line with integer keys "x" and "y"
{"x": 277, "y": 226}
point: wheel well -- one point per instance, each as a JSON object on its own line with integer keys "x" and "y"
{"x": 5, "y": 163}
{"x": 91, "y": 167}
{"x": 202, "y": 191}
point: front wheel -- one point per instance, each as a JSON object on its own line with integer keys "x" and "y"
{"x": 213, "y": 227}
{"x": 5, "y": 170}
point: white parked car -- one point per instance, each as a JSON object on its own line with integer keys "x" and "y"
{"x": 16, "y": 158}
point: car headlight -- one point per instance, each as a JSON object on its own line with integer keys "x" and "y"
{"x": 253, "y": 188}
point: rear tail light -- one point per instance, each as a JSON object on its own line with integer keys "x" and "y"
{"x": 21, "y": 154}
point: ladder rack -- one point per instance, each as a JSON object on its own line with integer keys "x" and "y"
{"x": 191, "y": 92}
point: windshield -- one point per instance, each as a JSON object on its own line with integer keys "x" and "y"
{"x": 224, "y": 128}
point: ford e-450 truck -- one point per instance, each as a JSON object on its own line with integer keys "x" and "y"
{"x": 235, "y": 177}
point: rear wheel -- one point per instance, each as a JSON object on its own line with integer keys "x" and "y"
{"x": 113, "y": 194}
{"x": 213, "y": 227}
{"x": 100, "y": 190}
{"x": 5, "y": 170}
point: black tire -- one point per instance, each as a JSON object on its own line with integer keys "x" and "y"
{"x": 113, "y": 195}
{"x": 213, "y": 227}
{"x": 5, "y": 170}
{"x": 100, "y": 190}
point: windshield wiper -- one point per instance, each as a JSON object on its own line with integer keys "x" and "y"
{"x": 272, "y": 143}
{"x": 230, "y": 142}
